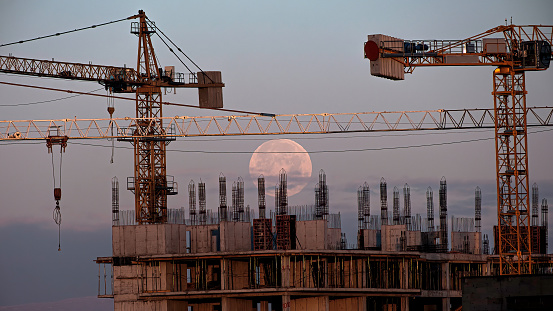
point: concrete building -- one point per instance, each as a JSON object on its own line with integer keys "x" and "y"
{"x": 215, "y": 267}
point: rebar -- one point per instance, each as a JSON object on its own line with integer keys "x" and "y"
{"x": 201, "y": 199}
{"x": 383, "y": 202}
{"x": 443, "y": 215}
{"x": 478, "y": 208}
{"x": 192, "y": 202}
{"x": 430, "y": 209}
{"x": 261, "y": 196}
{"x": 282, "y": 193}
{"x": 535, "y": 203}
{"x": 321, "y": 197}
{"x": 544, "y": 215}
{"x": 395, "y": 208}
{"x": 407, "y": 206}
{"x": 486, "y": 245}
{"x": 222, "y": 197}
{"x": 240, "y": 201}
{"x": 115, "y": 201}
{"x": 363, "y": 206}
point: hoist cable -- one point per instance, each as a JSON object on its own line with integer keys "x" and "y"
{"x": 65, "y": 32}
{"x": 178, "y": 48}
{"x": 172, "y": 51}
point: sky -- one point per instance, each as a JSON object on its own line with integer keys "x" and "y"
{"x": 281, "y": 57}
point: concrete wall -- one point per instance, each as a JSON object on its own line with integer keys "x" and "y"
{"x": 202, "y": 239}
{"x": 311, "y": 234}
{"x": 139, "y": 240}
{"x": 235, "y": 236}
{"x": 525, "y": 292}
{"x": 391, "y": 237}
{"x": 371, "y": 238}
{"x": 333, "y": 238}
{"x": 308, "y": 304}
{"x": 474, "y": 241}
{"x": 413, "y": 238}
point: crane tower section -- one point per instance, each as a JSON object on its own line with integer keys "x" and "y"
{"x": 513, "y": 50}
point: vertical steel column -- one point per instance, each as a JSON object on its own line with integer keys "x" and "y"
{"x": 150, "y": 182}
{"x": 512, "y": 171}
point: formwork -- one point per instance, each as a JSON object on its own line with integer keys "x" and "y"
{"x": 286, "y": 232}
{"x": 262, "y": 234}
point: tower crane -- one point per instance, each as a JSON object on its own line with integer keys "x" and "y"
{"x": 150, "y": 183}
{"x": 513, "y": 50}
{"x": 149, "y": 131}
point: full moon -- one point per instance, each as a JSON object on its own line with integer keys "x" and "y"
{"x": 273, "y": 155}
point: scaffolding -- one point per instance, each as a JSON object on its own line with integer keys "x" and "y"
{"x": 383, "y": 202}
{"x": 192, "y": 202}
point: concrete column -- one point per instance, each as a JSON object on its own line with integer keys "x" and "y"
{"x": 446, "y": 286}
{"x": 285, "y": 271}
{"x": 404, "y": 304}
{"x": 264, "y": 306}
{"x": 445, "y": 304}
{"x": 363, "y": 303}
{"x": 285, "y": 303}
{"x": 224, "y": 274}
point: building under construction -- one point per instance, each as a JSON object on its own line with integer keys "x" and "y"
{"x": 297, "y": 258}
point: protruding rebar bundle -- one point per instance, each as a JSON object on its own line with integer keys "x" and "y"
{"x": 261, "y": 196}
{"x": 222, "y": 197}
{"x": 430, "y": 208}
{"x": 115, "y": 201}
{"x": 486, "y": 245}
{"x": 478, "y": 209}
{"x": 235, "y": 201}
{"x": 192, "y": 202}
{"x": 240, "y": 188}
{"x": 443, "y": 214}
{"x": 395, "y": 207}
{"x": 282, "y": 194}
{"x": 544, "y": 223}
{"x": 383, "y": 202}
{"x": 321, "y": 197}
{"x": 363, "y": 206}
{"x": 407, "y": 205}
{"x": 535, "y": 203}
{"x": 201, "y": 199}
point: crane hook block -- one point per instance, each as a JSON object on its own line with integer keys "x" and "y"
{"x": 57, "y": 194}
